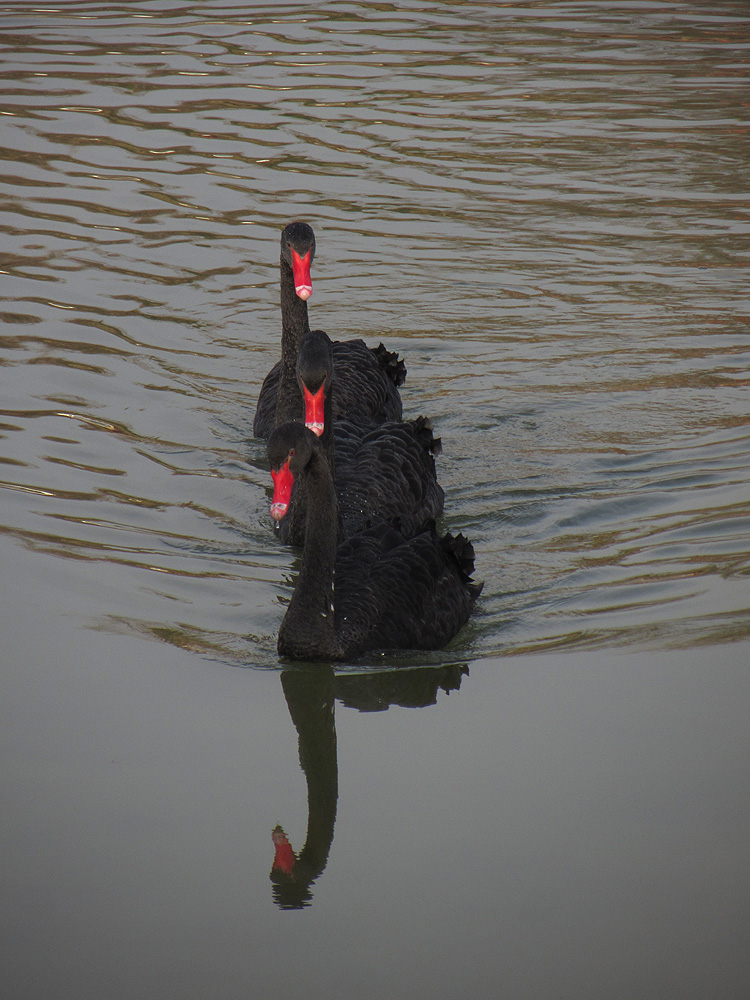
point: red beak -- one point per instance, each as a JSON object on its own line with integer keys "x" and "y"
{"x": 283, "y": 480}
{"x": 285, "y": 859}
{"x": 314, "y": 409}
{"x": 301, "y": 271}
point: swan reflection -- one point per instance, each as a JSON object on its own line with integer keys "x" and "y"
{"x": 311, "y": 695}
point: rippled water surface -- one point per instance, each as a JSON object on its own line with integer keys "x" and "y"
{"x": 545, "y": 209}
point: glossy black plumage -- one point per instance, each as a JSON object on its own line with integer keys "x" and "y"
{"x": 384, "y": 473}
{"x": 366, "y": 380}
{"x": 378, "y": 589}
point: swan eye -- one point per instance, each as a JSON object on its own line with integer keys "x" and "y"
{"x": 291, "y": 452}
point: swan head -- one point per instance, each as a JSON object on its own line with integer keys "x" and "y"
{"x": 314, "y": 374}
{"x": 290, "y": 448}
{"x": 298, "y": 250}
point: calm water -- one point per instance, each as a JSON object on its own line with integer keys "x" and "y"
{"x": 545, "y": 208}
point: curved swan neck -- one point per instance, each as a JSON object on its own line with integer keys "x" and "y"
{"x": 294, "y": 320}
{"x": 308, "y": 629}
{"x": 294, "y": 324}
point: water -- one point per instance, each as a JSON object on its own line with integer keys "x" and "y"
{"x": 544, "y": 209}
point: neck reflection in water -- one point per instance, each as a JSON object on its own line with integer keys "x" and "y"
{"x": 310, "y": 695}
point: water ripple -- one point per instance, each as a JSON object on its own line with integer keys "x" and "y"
{"x": 543, "y": 208}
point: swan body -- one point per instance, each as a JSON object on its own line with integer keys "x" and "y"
{"x": 378, "y": 589}
{"x": 366, "y": 380}
{"x": 383, "y": 472}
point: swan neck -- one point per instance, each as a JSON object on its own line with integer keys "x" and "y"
{"x": 308, "y": 630}
{"x": 294, "y": 324}
{"x": 294, "y": 320}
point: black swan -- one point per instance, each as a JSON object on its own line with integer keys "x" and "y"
{"x": 377, "y": 589}
{"x": 367, "y": 379}
{"x": 383, "y": 472}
